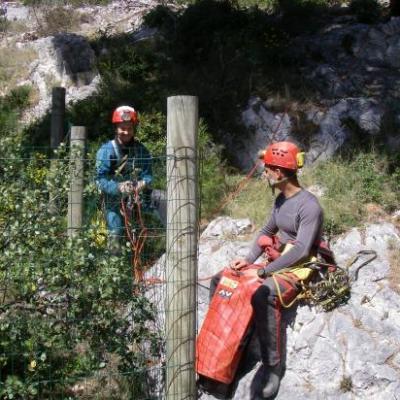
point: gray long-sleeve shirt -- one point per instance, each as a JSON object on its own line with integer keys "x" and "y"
{"x": 298, "y": 218}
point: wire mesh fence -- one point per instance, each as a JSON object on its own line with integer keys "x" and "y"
{"x": 83, "y": 316}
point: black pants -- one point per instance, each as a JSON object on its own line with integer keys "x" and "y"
{"x": 267, "y": 315}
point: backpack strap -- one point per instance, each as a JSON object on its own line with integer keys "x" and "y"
{"x": 121, "y": 160}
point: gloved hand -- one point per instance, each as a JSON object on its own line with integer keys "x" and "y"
{"x": 126, "y": 187}
{"x": 140, "y": 185}
{"x": 238, "y": 264}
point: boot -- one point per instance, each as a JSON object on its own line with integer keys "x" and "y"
{"x": 273, "y": 382}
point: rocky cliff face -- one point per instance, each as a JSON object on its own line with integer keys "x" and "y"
{"x": 355, "y": 70}
{"x": 351, "y": 352}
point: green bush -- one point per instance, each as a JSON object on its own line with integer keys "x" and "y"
{"x": 367, "y": 11}
{"x": 212, "y": 176}
{"x": 10, "y": 107}
{"x": 68, "y": 308}
{"x": 302, "y": 7}
{"x": 4, "y": 24}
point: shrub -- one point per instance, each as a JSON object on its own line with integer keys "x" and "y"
{"x": 10, "y": 108}
{"x": 67, "y": 308}
{"x": 4, "y": 23}
{"x": 212, "y": 174}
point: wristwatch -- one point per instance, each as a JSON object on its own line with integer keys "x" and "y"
{"x": 262, "y": 273}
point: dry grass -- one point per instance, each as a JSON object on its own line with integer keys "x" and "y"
{"x": 254, "y": 201}
{"x": 14, "y": 66}
{"x": 352, "y": 192}
{"x": 17, "y": 27}
{"x": 56, "y": 19}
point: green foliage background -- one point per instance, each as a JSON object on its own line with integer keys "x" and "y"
{"x": 68, "y": 307}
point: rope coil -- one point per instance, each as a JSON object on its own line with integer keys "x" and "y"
{"x": 333, "y": 287}
{"x": 133, "y": 204}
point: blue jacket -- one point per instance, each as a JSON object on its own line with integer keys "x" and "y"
{"x": 108, "y": 159}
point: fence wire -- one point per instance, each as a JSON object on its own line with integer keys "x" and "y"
{"x": 77, "y": 320}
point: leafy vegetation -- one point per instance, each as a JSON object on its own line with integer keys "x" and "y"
{"x": 68, "y": 308}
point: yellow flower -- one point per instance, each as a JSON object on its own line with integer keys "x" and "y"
{"x": 32, "y": 365}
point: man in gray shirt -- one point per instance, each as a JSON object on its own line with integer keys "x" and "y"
{"x": 296, "y": 218}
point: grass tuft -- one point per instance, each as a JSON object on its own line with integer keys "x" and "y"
{"x": 14, "y": 66}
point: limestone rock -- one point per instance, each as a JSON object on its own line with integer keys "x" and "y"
{"x": 348, "y": 353}
{"x": 332, "y": 134}
{"x": 225, "y": 226}
{"x": 64, "y": 60}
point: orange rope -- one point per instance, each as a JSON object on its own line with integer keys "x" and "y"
{"x": 137, "y": 243}
{"x": 141, "y": 239}
{"x": 155, "y": 280}
{"x": 239, "y": 187}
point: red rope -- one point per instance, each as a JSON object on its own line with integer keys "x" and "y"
{"x": 136, "y": 242}
{"x": 239, "y": 187}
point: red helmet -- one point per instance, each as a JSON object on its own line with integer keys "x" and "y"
{"x": 124, "y": 114}
{"x": 285, "y": 155}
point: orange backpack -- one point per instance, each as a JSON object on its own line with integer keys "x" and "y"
{"x": 221, "y": 338}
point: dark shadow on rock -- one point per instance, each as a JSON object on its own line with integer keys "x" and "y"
{"x": 75, "y": 57}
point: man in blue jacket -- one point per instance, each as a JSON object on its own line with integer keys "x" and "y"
{"x": 122, "y": 166}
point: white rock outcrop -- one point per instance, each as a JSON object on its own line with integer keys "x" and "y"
{"x": 63, "y": 60}
{"x": 266, "y": 127}
{"x": 349, "y": 353}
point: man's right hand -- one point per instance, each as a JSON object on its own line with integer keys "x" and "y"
{"x": 126, "y": 187}
{"x": 239, "y": 264}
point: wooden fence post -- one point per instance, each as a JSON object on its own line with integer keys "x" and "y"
{"x": 56, "y": 136}
{"x": 77, "y": 164}
{"x": 57, "y": 117}
{"x": 182, "y": 233}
